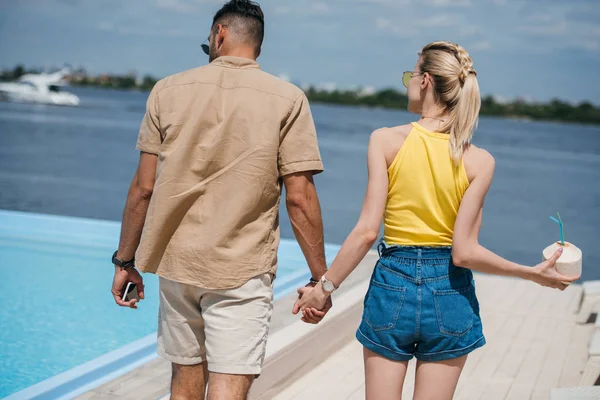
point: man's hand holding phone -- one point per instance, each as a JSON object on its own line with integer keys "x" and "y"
{"x": 127, "y": 287}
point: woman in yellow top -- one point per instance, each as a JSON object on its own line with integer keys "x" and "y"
{"x": 428, "y": 183}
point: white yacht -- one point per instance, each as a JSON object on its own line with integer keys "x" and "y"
{"x": 39, "y": 88}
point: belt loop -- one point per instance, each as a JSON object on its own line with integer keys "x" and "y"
{"x": 419, "y": 264}
{"x": 380, "y": 248}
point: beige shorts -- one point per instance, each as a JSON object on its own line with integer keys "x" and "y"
{"x": 226, "y": 328}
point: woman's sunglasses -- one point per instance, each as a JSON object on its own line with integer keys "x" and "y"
{"x": 407, "y": 76}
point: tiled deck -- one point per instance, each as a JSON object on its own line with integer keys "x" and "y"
{"x": 533, "y": 345}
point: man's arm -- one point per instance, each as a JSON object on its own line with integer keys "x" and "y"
{"x": 299, "y": 159}
{"x": 364, "y": 234}
{"x": 304, "y": 212}
{"x": 134, "y": 216}
{"x": 136, "y": 207}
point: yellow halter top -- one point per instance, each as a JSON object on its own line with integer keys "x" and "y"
{"x": 425, "y": 190}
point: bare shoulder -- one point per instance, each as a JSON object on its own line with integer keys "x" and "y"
{"x": 390, "y": 140}
{"x": 401, "y": 131}
{"x": 477, "y": 160}
{"x": 393, "y": 133}
{"x": 480, "y": 156}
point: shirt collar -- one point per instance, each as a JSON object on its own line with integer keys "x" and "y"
{"x": 235, "y": 62}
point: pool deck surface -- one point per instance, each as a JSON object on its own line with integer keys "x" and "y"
{"x": 533, "y": 345}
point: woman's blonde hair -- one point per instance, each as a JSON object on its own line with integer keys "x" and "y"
{"x": 456, "y": 89}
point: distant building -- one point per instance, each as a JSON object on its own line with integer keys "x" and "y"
{"x": 79, "y": 75}
{"x": 365, "y": 91}
{"x": 500, "y": 100}
{"x": 526, "y": 100}
{"x": 328, "y": 87}
{"x": 285, "y": 77}
{"x": 103, "y": 79}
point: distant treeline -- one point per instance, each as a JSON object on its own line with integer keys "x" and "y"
{"x": 115, "y": 82}
{"x": 80, "y": 77}
{"x": 555, "y": 110}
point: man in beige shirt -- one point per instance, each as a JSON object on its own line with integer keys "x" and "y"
{"x": 216, "y": 143}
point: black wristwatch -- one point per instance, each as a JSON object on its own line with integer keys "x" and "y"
{"x": 121, "y": 263}
{"x": 313, "y": 281}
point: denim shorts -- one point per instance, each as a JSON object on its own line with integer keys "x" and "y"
{"x": 420, "y": 304}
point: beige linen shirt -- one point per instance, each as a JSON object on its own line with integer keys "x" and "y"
{"x": 225, "y": 134}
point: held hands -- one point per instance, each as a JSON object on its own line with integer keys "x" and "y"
{"x": 545, "y": 273}
{"x": 313, "y": 302}
{"x": 122, "y": 277}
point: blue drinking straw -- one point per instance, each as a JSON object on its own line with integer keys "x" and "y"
{"x": 560, "y": 225}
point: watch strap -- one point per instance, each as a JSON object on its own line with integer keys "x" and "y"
{"x": 121, "y": 263}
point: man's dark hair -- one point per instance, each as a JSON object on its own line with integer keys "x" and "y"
{"x": 245, "y": 18}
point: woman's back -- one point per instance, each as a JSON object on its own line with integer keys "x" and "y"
{"x": 429, "y": 188}
{"x": 425, "y": 190}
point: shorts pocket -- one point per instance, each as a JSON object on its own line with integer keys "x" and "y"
{"x": 454, "y": 310}
{"x": 383, "y": 305}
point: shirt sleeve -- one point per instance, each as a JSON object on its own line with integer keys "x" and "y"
{"x": 298, "y": 148}
{"x": 150, "y": 138}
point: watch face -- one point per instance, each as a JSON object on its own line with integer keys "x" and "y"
{"x": 328, "y": 286}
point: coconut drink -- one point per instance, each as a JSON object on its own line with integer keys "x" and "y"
{"x": 570, "y": 262}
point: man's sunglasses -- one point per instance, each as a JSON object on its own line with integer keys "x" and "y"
{"x": 407, "y": 76}
{"x": 205, "y": 46}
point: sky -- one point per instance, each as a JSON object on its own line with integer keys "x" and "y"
{"x": 535, "y": 49}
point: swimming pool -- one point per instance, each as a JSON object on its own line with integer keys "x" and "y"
{"x": 56, "y": 308}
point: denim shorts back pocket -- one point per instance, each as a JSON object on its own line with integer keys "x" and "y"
{"x": 454, "y": 310}
{"x": 383, "y": 305}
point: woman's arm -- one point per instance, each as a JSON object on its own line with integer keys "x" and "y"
{"x": 364, "y": 234}
{"x": 468, "y": 253}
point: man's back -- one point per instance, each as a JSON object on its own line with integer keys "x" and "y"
{"x": 224, "y": 135}
{"x": 217, "y": 143}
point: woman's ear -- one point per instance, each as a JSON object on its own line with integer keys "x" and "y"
{"x": 425, "y": 79}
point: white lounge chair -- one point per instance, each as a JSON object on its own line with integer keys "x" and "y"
{"x": 591, "y": 373}
{"x": 590, "y": 302}
{"x": 576, "y": 393}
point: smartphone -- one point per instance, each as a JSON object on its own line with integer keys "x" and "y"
{"x": 131, "y": 292}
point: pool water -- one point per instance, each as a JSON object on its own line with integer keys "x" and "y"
{"x": 57, "y": 311}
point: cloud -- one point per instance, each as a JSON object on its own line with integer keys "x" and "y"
{"x": 448, "y": 3}
{"x": 389, "y": 27}
{"x": 133, "y": 30}
{"x": 432, "y": 26}
{"x": 558, "y": 30}
{"x": 180, "y": 6}
{"x": 316, "y": 8}
{"x": 468, "y": 30}
{"x": 441, "y": 20}
{"x": 479, "y": 46}
{"x": 320, "y": 8}
{"x": 106, "y": 26}
{"x": 542, "y": 24}
{"x": 383, "y": 2}
{"x": 69, "y": 2}
{"x": 281, "y": 10}
{"x": 415, "y": 26}
{"x": 185, "y": 6}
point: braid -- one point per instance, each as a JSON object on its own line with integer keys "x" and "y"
{"x": 456, "y": 89}
{"x": 466, "y": 63}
